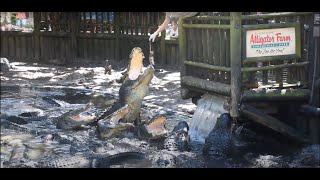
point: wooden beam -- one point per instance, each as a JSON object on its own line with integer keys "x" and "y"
{"x": 207, "y": 66}
{"x": 235, "y": 58}
{"x": 216, "y": 87}
{"x": 271, "y": 122}
{"x": 273, "y": 15}
{"x": 208, "y": 18}
{"x": 276, "y": 95}
{"x": 206, "y": 26}
{"x": 249, "y": 69}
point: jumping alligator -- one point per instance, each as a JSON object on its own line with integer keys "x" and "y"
{"x": 131, "y": 93}
{"x": 126, "y": 110}
{"x": 218, "y": 144}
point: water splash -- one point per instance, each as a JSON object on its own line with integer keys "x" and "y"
{"x": 209, "y": 109}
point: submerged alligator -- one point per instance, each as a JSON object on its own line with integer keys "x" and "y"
{"x": 173, "y": 149}
{"x": 23, "y": 114}
{"x": 218, "y": 144}
{"x": 85, "y": 161}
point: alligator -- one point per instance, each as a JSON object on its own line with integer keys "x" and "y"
{"x": 83, "y": 161}
{"x": 154, "y": 128}
{"x": 126, "y": 110}
{"x": 135, "y": 65}
{"x": 23, "y": 114}
{"x": 73, "y": 119}
{"x": 17, "y": 127}
{"x": 218, "y": 144}
{"x": 177, "y": 141}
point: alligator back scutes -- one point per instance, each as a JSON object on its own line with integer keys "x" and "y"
{"x": 17, "y": 127}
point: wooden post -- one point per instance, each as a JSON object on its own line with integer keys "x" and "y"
{"x": 117, "y": 33}
{"x": 183, "y": 52}
{"x": 36, "y": 32}
{"x": 182, "y": 45}
{"x": 314, "y": 79}
{"x": 235, "y": 58}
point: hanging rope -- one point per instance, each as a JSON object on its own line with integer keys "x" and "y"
{"x": 151, "y": 55}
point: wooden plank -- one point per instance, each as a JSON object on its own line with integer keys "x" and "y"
{"x": 216, "y": 57}
{"x": 30, "y": 48}
{"x": 173, "y": 60}
{"x": 107, "y": 49}
{"x": 4, "y": 46}
{"x": 188, "y": 42}
{"x": 85, "y": 48}
{"x": 199, "y": 45}
{"x": 271, "y": 122}
{"x": 24, "y": 48}
{"x": 12, "y": 47}
{"x": 56, "y": 48}
{"x": 46, "y": 47}
{"x": 174, "y": 53}
{"x": 68, "y": 50}
{"x": 62, "y": 48}
{"x": 90, "y": 48}
{"x": 222, "y": 45}
{"x": 73, "y": 32}
{"x": 17, "y": 40}
{"x": 106, "y": 46}
{"x": 210, "y": 46}
{"x": 207, "y": 66}
{"x": 101, "y": 53}
{"x": 96, "y": 49}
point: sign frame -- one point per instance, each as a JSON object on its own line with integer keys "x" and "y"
{"x": 297, "y": 54}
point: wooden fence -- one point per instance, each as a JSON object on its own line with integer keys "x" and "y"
{"x": 83, "y": 36}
